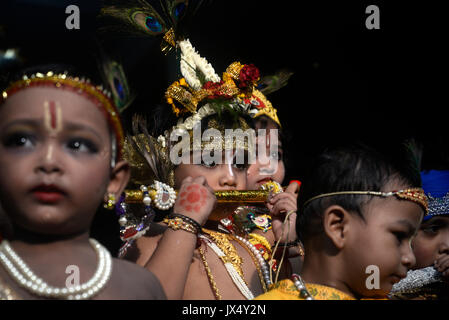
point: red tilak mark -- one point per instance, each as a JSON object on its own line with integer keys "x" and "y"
{"x": 52, "y": 114}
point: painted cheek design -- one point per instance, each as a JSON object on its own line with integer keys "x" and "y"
{"x": 193, "y": 198}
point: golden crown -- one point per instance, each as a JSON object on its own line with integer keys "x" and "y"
{"x": 236, "y": 86}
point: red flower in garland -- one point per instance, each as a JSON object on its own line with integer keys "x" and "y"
{"x": 214, "y": 87}
{"x": 249, "y": 74}
{"x": 210, "y": 85}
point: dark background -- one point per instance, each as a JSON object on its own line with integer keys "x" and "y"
{"x": 349, "y": 83}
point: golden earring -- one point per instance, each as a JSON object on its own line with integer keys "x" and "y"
{"x": 110, "y": 203}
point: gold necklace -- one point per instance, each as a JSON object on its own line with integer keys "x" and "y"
{"x": 212, "y": 282}
{"x": 231, "y": 255}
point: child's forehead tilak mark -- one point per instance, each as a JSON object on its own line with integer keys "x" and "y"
{"x": 53, "y": 116}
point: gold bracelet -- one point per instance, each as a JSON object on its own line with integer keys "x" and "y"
{"x": 180, "y": 224}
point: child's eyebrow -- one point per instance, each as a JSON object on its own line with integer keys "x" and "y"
{"x": 71, "y": 126}
{"x": 441, "y": 221}
{"x": 37, "y": 123}
{"x": 34, "y": 123}
{"x": 410, "y": 227}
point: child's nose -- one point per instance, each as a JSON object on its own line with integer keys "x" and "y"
{"x": 409, "y": 259}
{"x": 444, "y": 244}
{"x": 49, "y": 158}
{"x": 227, "y": 176}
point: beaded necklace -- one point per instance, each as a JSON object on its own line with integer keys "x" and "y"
{"x": 25, "y": 277}
{"x": 220, "y": 243}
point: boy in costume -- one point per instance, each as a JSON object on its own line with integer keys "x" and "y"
{"x": 359, "y": 213}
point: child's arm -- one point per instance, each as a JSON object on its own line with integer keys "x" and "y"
{"x": 172, "y": 258}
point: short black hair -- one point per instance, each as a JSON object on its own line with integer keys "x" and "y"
{"x": 349, "y": 168}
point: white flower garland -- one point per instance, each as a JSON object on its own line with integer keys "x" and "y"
{"x": 190, "y": 61}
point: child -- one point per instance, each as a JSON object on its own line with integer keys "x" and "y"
{"x": 359, "y": 213}
{"x": 60, "y": 158}
{"x": 430, "y": 275}
{"x": 269, "y": 166}
{"x": 206, "y": 274}
{"x": 223, "y": 266}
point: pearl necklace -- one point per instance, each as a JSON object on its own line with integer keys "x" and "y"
{"x": 23, "y": 275}
{"x": 263, "y": 264}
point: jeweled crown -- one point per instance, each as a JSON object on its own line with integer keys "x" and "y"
{"x": 438, "y": 206}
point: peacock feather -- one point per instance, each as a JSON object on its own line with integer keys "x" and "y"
{"x": 272, "y": 83}
{"x": 148, "y": 17}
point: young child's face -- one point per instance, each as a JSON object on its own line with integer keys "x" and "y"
{"x": 269, "y": 165}
{"x": 432, "y": 242}
{"x": 55, "y": 151}
{"x": 224, "y": 176}
{"x": 381, "y": 243}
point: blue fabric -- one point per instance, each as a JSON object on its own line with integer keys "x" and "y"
{"x": 436, "y": 186}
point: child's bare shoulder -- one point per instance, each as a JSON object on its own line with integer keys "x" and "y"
{"x": 131, "y": 281}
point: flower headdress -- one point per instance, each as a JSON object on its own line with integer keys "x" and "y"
{"x": 200, "y": 93}
{"x": 236, "y": 90}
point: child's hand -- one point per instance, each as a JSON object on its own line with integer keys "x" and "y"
{"x": 279, "y": 205}
{"x": 442, "y": 265}
{"x": 195, "y": 199}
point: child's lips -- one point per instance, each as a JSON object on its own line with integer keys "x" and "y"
{"x": 48, "y": 194}
{"x": 264, "y": 180}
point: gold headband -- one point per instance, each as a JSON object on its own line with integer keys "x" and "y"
{"x": 100, "y": 96}
{"x": 416, "y": 195}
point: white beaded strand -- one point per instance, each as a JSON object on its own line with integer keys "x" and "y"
{"x": 263, "y": 264}
{"x": 235, "y": 276}
{"x": 23, "y": 275}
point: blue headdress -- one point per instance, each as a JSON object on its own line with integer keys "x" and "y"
{"x": 436, "y": 186}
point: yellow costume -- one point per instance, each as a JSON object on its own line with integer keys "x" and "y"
{"x": 286, "y": 290}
